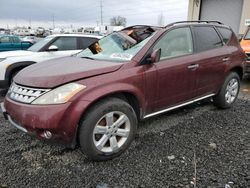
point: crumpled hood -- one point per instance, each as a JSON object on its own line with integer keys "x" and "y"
{"x": 15, "y": 53}
{"x": 52, "y": 73}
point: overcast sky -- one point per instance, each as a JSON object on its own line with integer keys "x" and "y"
{"x": 87, "y": 12}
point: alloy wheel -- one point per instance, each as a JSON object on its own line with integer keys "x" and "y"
{"x": 232, "y": 90}
{"x": 111, "y": 132}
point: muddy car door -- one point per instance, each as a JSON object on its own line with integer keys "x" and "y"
{"x": 176, "y": 70}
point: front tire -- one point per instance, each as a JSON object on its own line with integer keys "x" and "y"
{"x": 228, "y": 92}
{"x": 107, "y": 129}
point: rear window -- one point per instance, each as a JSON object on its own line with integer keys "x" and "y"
{"x": 206, "y": 38}
{"x": 225, "y": 33}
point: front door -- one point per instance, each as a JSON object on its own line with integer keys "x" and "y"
{"x": 176, "y": 70}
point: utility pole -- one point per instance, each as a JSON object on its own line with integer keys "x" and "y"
{"x": 30, "y": 23}
{"x": 53, "y": 20}
{"x": 101, "y": 12}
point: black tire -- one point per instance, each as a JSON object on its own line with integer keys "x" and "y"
{"x": 220, "y": 100}
{"x": 98, "y": 113}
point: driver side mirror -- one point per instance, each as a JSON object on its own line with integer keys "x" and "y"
{"x": 52, "y": 48}
{"x": 154, "y": 57}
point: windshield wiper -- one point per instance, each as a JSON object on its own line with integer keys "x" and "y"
{"x": 86, "y": 57}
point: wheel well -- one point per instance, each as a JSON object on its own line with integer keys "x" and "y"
{"x": 238, "y": 70}
{"x": 13, "y": 71}
{"x": 16, "y": 67}
{"x": 126, "y": 96}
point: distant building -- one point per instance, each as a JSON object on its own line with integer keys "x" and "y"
{"x": 235, "y": 13}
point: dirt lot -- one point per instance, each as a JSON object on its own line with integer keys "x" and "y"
{"x": 161, "y": 156}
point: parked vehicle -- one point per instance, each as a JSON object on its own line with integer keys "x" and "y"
{"x": 31, "y": 39}
{"x": 12, "y": 42}
{"x": 51, "y": 47}
{"x": 133, "y": 74}
{"x": 245, "y": 44}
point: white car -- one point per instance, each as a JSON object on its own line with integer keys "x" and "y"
{"x": 51, "y": 47}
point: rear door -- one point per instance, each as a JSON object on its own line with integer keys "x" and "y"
{"x": 176, "y": 70}
{"x": 214, "y": 58}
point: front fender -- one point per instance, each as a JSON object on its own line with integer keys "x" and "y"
{"x": 15, "y": 66}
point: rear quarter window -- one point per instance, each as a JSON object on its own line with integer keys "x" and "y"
{"x": 225, "y": 33}
{"x": 206, "y": 38}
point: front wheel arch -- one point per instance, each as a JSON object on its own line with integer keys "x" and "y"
{"x": 15, "y": 67}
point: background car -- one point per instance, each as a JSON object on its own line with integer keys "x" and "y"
{"x": 53, "y": 46}
{"x": 245, "y": 44}
{"x": 12, "y": 42}
{"x": 31, "y": 39}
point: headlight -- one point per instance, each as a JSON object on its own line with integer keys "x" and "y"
{"x": 1, "y": 59}
{"x": 60, "y": 95}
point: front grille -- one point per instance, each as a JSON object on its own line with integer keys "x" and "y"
{"x": 248, "y": 56}
{"x": 24, "y": 94}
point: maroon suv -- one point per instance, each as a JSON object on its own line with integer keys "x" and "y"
{"x": 96, "y": 98}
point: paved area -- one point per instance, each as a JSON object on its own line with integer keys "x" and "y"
{"x": 168, "y": 151}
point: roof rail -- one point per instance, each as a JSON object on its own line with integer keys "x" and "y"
{"x": 197, "y": 21}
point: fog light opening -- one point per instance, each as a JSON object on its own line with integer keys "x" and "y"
{"x": 47, "y": 134}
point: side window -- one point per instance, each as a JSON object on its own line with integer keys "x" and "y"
{"x": 177, "y": 42}
{"x": 225, "y": 33}
{"x": 5, "y": 39}
{"x": 206, "y": 38}
{"x": 15, "y": 39}
{"x": 85, "y": 42}
{"x": 66, "y": 43}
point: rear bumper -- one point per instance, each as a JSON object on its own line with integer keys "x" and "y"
{"x": 59, "y": 120}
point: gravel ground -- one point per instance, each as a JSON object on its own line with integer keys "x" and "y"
{"x": 168, "y": 151}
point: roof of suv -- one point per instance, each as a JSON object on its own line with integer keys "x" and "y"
{"x": 198, "y": 22}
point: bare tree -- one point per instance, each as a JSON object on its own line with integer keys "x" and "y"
{"x": 118, "y": 21}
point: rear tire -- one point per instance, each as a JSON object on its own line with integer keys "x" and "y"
{"x": 228, "y": 92}
{"x": 107, "y": 129}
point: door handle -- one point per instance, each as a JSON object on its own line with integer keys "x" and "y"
{"x": 226, "y": 59}
{"x": 193, "y": 66}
